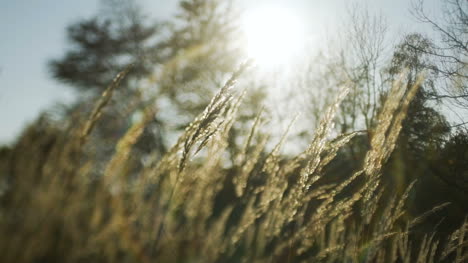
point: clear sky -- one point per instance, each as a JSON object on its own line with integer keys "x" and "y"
{"x": 32, "y": 32}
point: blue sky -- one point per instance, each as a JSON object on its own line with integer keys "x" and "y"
{"x": 33, "y": 32}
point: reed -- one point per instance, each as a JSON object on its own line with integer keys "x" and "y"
{"x": 197, "y": 205}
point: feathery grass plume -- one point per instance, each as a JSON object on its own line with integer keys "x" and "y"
{"x": 330, "y": 208}
{"x": 428, "y": 249}
{"x": 264, "y": 197}
{"x": 310, "y": 174}
{"x": 457, "y": 243}
{"x": 275, "y": 184}
{"x": 118, "y": 187}
{"x": 251, "y": 206}
{"x": 384, "y": 138}
{"x": 125, "y": 144}
{"x": 209, "y": 121}
{"x": 319, "y": 142}
{"x": 247, "y": 164}
{"x": 426, "y": 214}
{"x": 101, "y": 104}
{"x": 216, "y": 118}
{"x": 207, "y": 178}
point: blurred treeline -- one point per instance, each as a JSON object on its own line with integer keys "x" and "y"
{"x": 172, "y": 152}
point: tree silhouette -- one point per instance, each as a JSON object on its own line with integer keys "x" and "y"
{"x": 100, "y": 48}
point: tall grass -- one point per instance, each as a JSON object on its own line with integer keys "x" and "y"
{"x": 196, "y": 205}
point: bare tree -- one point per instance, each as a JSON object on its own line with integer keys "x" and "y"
{"x": 357, "y": 62}
{"x": 450, "y": 49}
{"x": 363, "y": 62}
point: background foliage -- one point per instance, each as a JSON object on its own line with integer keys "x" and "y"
{"x": 171, "y": 154}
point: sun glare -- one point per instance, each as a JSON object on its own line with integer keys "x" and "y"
{"x": 273, "y": 36}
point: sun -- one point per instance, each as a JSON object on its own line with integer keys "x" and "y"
{"x": 274, "y": 36}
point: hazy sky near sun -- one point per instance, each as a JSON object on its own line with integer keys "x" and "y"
{"x": 33, "y": 31}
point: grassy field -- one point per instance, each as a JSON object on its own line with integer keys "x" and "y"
{"x": 61, "y": 204}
